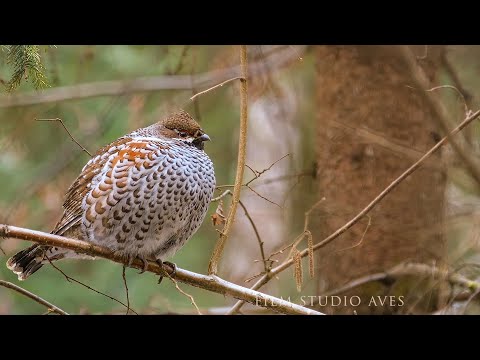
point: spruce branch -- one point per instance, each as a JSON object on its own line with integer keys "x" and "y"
{"x": 27, "y": 64}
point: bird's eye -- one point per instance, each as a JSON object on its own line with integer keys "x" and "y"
{"x": 182, "y": 134}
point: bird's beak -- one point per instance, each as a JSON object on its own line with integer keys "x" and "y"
{"x": 204, "y": 137}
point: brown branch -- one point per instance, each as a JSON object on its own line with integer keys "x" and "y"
{"x": 466, "y": 95}
{"x": 283, "y": 55}
{"x": 210, "y": 283}
{"x": 286, "y": 264}
{"x": 405, "y": 269}
{"x": 257, "y": 174}
{"x": 221, "y": 196}
{"x": 70, "y": 279}
{"x": 263, "y": 197}
{"x": 126, "y": 289}
{"x": 68, "y": 132}
{"x": 298, "y": 176}
{"x": 454, "y": 88}
{"x": 242, "y": 148}
{"x": 216, "y": 86}
{"x": 257, "y": 234}
{"x": 32, "y": 296}
{"x": 439, "y": 110}
{"x": 192, "y": 300}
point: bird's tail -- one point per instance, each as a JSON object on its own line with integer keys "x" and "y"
{"x": 27, "y": 261}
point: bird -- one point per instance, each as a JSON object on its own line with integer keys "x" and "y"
{"x": 142, "y": 196}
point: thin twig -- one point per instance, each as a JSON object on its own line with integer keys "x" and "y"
{"x": 287, "y": 177}
{"x": 451, "y": 87}
{"x": 242, "y": 147}
{"x": 440, "y": 112}
{"x": 192, "y": 300}
{"x": 466, "y": 95}
{"x": 257, "y": 174}
{"x": 216, "y": 86}
{"x": 257, "y": 234}
{"x": 405, "y": 269}
{"x": 126, "y": 289}
{"x": 361, "y": 239}
{"x": 266, "y": 278}
{"x": 68, "y": 132}
{"x": 70, "y": 279}
{"x": 263, "y": 197}
{"x": 305, "y": 233}
{"x": 209, "y": 283}
{"x": 220, "y": 197}
{"x": 32, "y": 296}
{"x": 465, "y": 106}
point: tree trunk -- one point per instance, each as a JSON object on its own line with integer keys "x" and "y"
{"x": 371, "y": 128}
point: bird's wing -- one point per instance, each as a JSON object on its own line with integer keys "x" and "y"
{"x": 72, "y": 206}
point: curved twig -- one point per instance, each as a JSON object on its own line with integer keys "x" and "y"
{"x": 32, "y": 296}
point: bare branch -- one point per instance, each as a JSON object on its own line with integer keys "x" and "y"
{"x": 288, "y": 177}
{"x": 286, "y": 264}
{"x": 405, "y": 269}
{"x": 439, "y": 110}
{"x": 263, "y": 197}
{"x": 32, "y": 296}
{"x": 126, "y": 289}
{"x": 68, "y": 132}
{"x": 466, "y": 95}
{"x": 260, "y": 173}
{"x": 242, "y": 148}
{"x": 70, "y": 279}
{"x": 361, "y": 239}
{"x": 220, "y": 197}
{"x": 216, "y": 86}
{"x": 210, "y": 283}
{"x": 192, "y": 300}
{"x": 281, "y": 56}
{"x": 257, "y": 234}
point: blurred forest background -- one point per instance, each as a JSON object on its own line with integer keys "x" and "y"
{"x": 334, "y": 125}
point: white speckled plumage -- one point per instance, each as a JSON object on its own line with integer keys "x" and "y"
{"x": 144, "y": 195}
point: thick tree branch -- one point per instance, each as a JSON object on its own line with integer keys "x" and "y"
{"x": 211, "y": 283}
{"x": 283, "y": 55}
{"x": 242, "y": 149}
{"x": 289, "y": 262}
{"x": 32, "y": 296}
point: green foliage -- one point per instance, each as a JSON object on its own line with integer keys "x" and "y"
{"x": 27, "y": 63}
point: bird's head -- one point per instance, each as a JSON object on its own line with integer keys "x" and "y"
{"x": 183, "y": 127}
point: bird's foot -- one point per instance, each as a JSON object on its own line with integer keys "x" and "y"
{"x": 168, "y": 263}
{"x": 145, "y": 264}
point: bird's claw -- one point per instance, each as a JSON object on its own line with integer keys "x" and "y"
{"x": 168, "y": 263}
{"x": 145, "y": 265}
